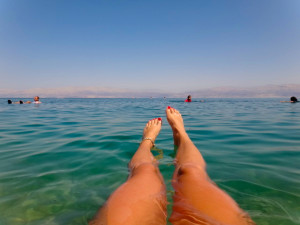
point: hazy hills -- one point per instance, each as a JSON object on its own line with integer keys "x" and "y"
{"x": 269, "y": 91}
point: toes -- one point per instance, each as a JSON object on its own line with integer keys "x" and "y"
{"x": 149, "y": 123}
{"x": 158, "y": 121}
{"x": 155, "y": 121}
{"x": 171, "y": 109}
{"x": 152, "y": 122}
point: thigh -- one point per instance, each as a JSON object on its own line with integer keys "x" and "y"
{"x": 140, "y": 200}
{"x": 198, "y": 200}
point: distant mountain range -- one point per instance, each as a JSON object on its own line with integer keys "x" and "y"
{"x": 268, "y": 91}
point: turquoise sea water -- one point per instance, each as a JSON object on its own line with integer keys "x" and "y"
{"x": 60, "y": 160}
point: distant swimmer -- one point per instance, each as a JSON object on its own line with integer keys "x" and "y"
{"x": 36, "y": 100}
{"x": 293, "y": 99}
{"x": 188, "y": 99}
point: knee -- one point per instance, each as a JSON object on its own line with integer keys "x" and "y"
{"x": 191, "y": 170}
{"x": 149, "y": 175}
{"x": 145, "y": 168}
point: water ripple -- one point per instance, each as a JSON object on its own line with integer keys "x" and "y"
{"x": 62, "y": 159}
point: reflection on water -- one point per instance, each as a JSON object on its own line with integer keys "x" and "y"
{"x": 60, "y": 160}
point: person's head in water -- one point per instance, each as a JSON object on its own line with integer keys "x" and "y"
{"x": 189, "y": 98}
{"x": 294, "y": 99}
{"x": 36, "y": 98}
{"x": 9, "y": 101}
{"x": 21, "y": 102}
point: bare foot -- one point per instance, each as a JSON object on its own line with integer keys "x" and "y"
{"x": 176, "y": 122}
{"x": 151, "y": 130}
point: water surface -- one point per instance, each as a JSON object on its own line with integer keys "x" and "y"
{"x": 60, "y": 160}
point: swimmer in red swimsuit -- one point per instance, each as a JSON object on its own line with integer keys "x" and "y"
{"x": 188, "y": 99}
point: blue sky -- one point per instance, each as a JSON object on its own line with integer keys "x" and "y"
{"x": 149, "y": 45}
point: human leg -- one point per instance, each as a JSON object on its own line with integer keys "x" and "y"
{"x": 197, "y": 200}
{"x": 142, "y": 198}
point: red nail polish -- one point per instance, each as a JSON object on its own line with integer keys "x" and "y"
{"x": 159, "y": 119}
{"x": 169, "y": 107}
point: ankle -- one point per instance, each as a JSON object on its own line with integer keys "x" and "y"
{"x": 179, "y": 132}
{"x": 147, "y": 141}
